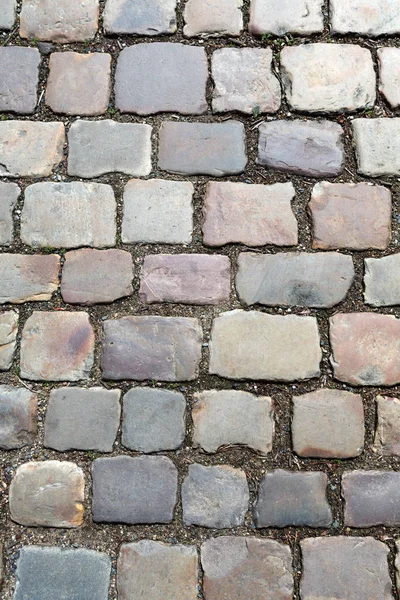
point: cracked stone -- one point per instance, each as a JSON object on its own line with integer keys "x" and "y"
{"x": 19, "y": 78}
{"x": 18, "y": 414}
{"x": 8, "y": 338}
{"x": 27, "y": 278}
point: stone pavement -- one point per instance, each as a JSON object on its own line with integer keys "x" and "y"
{"x": 200, "y": 299}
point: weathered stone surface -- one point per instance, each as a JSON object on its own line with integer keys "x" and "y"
{"x": 51, "y": 572}
{"x": 19, "y": 77}
{"x": 254, "y": 345}
{"x": 154, "y": 569}
{"x": 8, "y": 338}
{"x": 26, "y": 277}
{"x": 213, "y": 18}
{"x": 365, "y": 348}
{"x": 387, "y": 434}
{"x": 215, "y": 496}
{"x": 287, "y": 498}
{"x": 389, "y": 78}
{"x": 185, "y": 278}
{"x": 134, "y": 490}
{"x": 48, "y": 494}
{"x": 244, "y": 81}
{"x": 377, "y": 144}
{"x": 18, "y": 411}
{"x": 366, "y": 17}
{"x": 294, "y": 278}
{"x": 99, "y": 147}
{"x": 30, "y": 149}
{"x": 158, "y": 211}
{"x": 371, "y": 498}
{"x": 153, "y": 17}
{"x": 228, "y": 417}
{"x": 350, "y": 568}
{"x": 382, "y": 280}
{"x": 286, "y": 16}
{"x": 7, "y": 13}
{"x": 65, "y": 21}
{"x": 254, "y": 215}
{"x": 239, "y": 567}
{"x": 216, "y": 149}
{"x": 350, "y": 215}
{"x": 153, "y": 419}
{"x": 82, "y": 419}
{"x": 68, "y": 215}
{"x": 9, "y": 194}
{"x": 328, "y": 423}
{"x": 312, "y": 148}
{"x": 94, "y": 276}
{"x": 163, "y": 348}
{"x": 79, "y": 84}
{"x": 57, "y": 346}
{"x": 161, "y": 77}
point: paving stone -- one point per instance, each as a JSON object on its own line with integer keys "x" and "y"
{"x": 8, "y": 9}
{"x": 350, "y": 568}
{"x": 154, "y": 17}
{"x": 387, "y": 434}
{"x": 134, "y": 490}
{"x": 161, "y": 77}
{"x": 68, "y": 215}
{"x": 8, "y": 338}
{"x": 57, "y": 346}
{"x": 292, "y": 498}
{"x": 213, "y": 18}
{"x": 286, "y": 16}
{"x": 389, "y": 65}
{"x": 79, "y": 84}
{"x": 156, "y": 571}
{"x": 86, "y": 271}
{"x": 1, "y": 564}
{"x": 82, "y": 419}
{"x": 153, "y": 419}
{"x": 19, "y": 77}
{"x": 254, "y": 345}
{"x": 185, "y": 278}
{"x": 365, "y": 17}
{"x": 27, "y": 278}
{"x": 100, "y": 147}
{"x": 216, "y": 149}
{"x": 381, "y": 280}
{"x": 371, "y": 498}
{"x": 294, "y": 278}
{"x": 229, "y": 417}
{"x": 30, "y": 149}
{"x": 328, "y": 77}
{"x": 158, "y": 211}
{"x": 215, "y": 496}
{"x": 9, "y": 194}
{"x": 311, "y": 148}
{"x": 50, "y": 572}
{"x": 377, "y": 146}
{"x": 162, "y": 348}
{"x": 365, "y": 348}
{"x": 48, "y": 494}
{"x": 65, "y": 22}
{"x": 356, "y": 216}
{"x": 18, "y": 413}
{"x": 328, "y": 424}
{"x": 246, "y": 567}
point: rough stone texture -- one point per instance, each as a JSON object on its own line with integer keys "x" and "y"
{"x": 7, "y": 16}
{"x": 312, "y": 148}
{"x": 328, "y": 424}
{"x": 389, "y": 77}
{"x": 9, "y": 194}
{"x": 86, "y": 271}
{"x": 228, "y": 417}
{"x": 371, "y": 498}
{"x": 350, "y": 568}
{"x": 26, "y": 278}
{"x": 79, "y": 84}
{"x": 356, "y": 216}
{"x": 365, "y": 17}
{"x": 50, "y": 572}
{"x": 99, "y": 147}
{"x": 8, "y": 338}
{"x": 153, "y": 17}
{"x": 244, "y": 81}
{"x": 254, "y": 345}
{"x": 82, "y": 419}
{"x": 377, "y": 144}
{"x": 246, "y": 568}
{"x": 185, "y": 278}
{"x": 134, "y": 490}
{"x": 30, "y": 149}
{"x": 286, "y": 16}
{"x": 294, "y": 279}
{"x": 216, "y": 149}
{"x": 365, "y": 348}
{"x": 213, "y": 18}
{"x": 18, "y": 413}
{"x": 382, "y": 280}
{"x": 158, "y": 571}
{"x": 162, "y": 348}
{"x": 63, "y": 21}
{"x": 19, "y": 77}
{"x": 68, "y": 215}
{"x": 153, "y": 419}
{"x": 292, "y": 498}
{"x": 215, "y": 496}
{"x": 57, "y": 346}
{"x": 48, "y": 494}
{"x": 387, "y": 434}
{"x": 158, "y": 211}
{"x": 161, "y": 77}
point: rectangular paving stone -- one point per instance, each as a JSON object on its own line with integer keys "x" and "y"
{"x": 365, "y": 17}
{"x": 19, "y": 78}
{"x": 27, "y": 278}
{"x": 9, "y": 194}
{"x": 387, "y": 433}
{"x": 213, "y": 18}
{"x": 254, "y": 345}
{"x": 286, "y": 16}
{"x": 377, "y": 146}
{"x": 382, "y": 280}
{"x": 18, "y": 417}
{"x": 8, "y": 338}
{"x": 371, "y": 498}
{"x": 154, "y": 17}
{"x": 8, "y": 9}
{"x": 389, "y": 80}
{"x": 216, "y": 149}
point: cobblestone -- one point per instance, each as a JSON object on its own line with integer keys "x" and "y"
{"x": 381, "y": 280}
{"x": 9, "y": 194}
{"x": 214, "y": 18}
{"x": 7, "y": 14}
{"x": 8, "y": 338}
{"x": 377, "y": 146}
{"x": 389, "y": 63}
{"x": 27, "y": 278}
{"x": 371, "y": 498}
{"x": 387, "y": 434}
{"x": 18, "y": 417}
{"x": 155, "y": 17}
{"x": 286, "y": 16}
{"x": 365, "y": 17}
{"x": 19, "y": 78}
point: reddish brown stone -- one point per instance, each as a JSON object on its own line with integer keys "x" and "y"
{"x": 371, "y": 498}
{"x": 387, "y": 435}
{"x": 26, "y": 278}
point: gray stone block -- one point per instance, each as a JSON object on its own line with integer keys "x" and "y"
{"x": 382, "y": 280}
{"x": 18, "y": 412}
{"x": 19, "y": 79}
{"x": 8, "y": 9}
{"x": 153, "y": 17}
{"x": 9, "y": 194}
{"x": 371, "y": 498}
{"x": 8, "y": 338}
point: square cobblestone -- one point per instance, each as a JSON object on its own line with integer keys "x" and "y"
{"x": 8, "y": 9}
{"x": 28, "y": 278}
{"x": 152, "y": 17}
{"x": 371, "y": 498}
{"x": 18, "y": 417}
{"x": 19, "y": 79}
{"x": 387, "y": 434}
{"x": 278, "y": 17}
{"x": 377, "y": 143}
{"x": 213, "y": 18}
{"x": 389, "y": 74}
{"x": 365, "y": 17}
